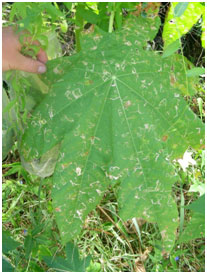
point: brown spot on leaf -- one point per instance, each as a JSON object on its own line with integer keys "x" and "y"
{"x": 151, "y": 9}
{"x": 172, "y": 79}
{"x": 88, "y": 82}
{"x": 164, "y": 138}
{"x": 127, "y": 104}
{"x": 65, "y": 165}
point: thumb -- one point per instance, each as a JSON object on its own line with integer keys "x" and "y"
{"x": 29, "y": 65}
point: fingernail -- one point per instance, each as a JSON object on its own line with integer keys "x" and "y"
{"x": 41, "y": 69}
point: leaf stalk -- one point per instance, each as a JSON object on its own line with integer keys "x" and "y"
{"x": 111, "y": 19}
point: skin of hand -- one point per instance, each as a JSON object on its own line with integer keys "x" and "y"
{"x": 12, "y": 59}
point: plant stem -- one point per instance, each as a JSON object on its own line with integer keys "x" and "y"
{"x": 111, "y": 19}
{"x": 182, "y": 211}
{"x": 39, "y": 198}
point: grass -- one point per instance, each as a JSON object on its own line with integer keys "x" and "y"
{"x": 113, "y": 244}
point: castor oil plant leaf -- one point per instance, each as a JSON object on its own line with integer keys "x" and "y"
{"x": 118, "y": 118}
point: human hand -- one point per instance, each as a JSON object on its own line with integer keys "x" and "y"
{"x": 12, "y": 57}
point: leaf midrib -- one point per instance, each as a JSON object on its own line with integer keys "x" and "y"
{"x": 91, "y": 145}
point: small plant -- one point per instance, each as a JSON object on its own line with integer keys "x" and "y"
{"x": 72, "y": 263}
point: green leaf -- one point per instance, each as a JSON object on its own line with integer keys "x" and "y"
{"x": 198, "y": 206}
{"x": 68, "y": 5}
{"x": 200, "y": 106}
{"x": 195, "y": 72}
{"x": 10, "y": 105}
{"x": 12, "y": 170}
{"x": 18, "y": 10}
{"x": 87, "y": 14}
{"x": 28, "y": 245}
{"x": 64, "y": 26}
{"x": 117, "y": 118}
{"x": 52, "y": 10}
{"x": 172, "y": 48}
{"x": 203, "y": 30}
{"x": 94, "y": 267}
{"x": 37, "y": 229}
{"x": 175, "y": 27}
{"x": 118, "y": 16}
{"x": 72, "y": 263}
{"x": 43, "y": 251}
{"x": 180, "y": 8}
{"x": 8, "y": 244}
{"x": 187, "y": 86}
{"x": 197, "y": 186}
{"x": 195, "y": 228}
{"x": 6, "y": 266}
{"x": 54, "y": 48}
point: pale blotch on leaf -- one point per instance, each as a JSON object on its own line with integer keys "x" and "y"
{"x": 78, "y": 171}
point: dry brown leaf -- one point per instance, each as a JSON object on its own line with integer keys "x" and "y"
{"x": 151, "y": 9}
{"x": 139, "y": 262}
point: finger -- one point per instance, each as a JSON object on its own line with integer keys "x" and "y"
{"x": 42, "y": 56}
{"x": 28, "y": 64}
